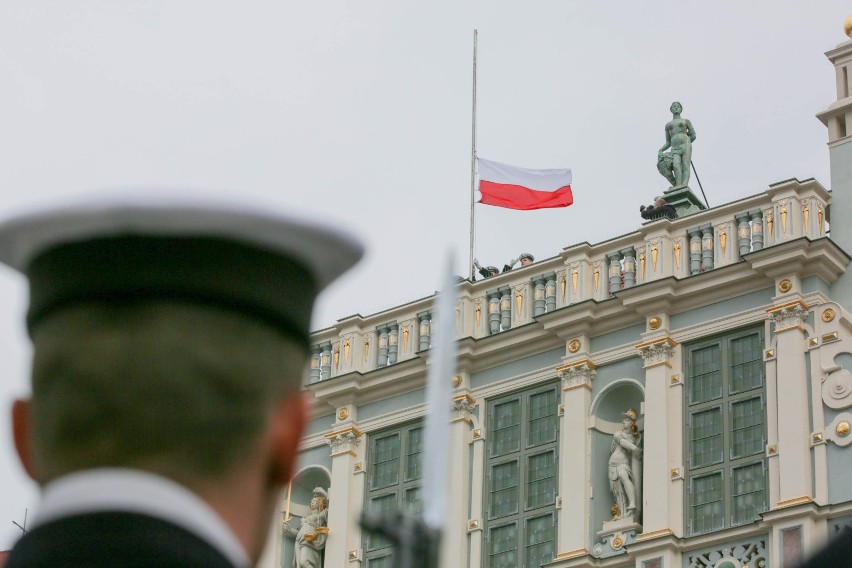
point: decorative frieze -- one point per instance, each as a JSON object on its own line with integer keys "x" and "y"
{"x": 657, "y": 352}
{"x": 788, "y": 316}
{"x": 577, "y": 374}
{"x": 344, "y": 441}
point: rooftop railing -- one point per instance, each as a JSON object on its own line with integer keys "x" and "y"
{"x": 659, "y": 249}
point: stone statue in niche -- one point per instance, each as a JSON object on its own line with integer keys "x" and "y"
{"x": 680, "y": 135}
{"x": 312, "y": 534}
{"x": 624, "y": 469}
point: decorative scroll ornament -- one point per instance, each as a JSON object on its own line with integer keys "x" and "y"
{"x": 462, "y": 407}
{"x": 837, "y": 390}
{"x": 344, "y": 441}
{"x": 791, "y": 316}
{"x": 751, "y": 553}
{"x": 577, "y": 374}
{"x": 657, "y": 353}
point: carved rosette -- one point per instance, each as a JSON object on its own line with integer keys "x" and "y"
{"x": 462, "y": 408}
{"x": 657, "y": 352}
{"x": 577, "y": 374}
{"x": 788, "y": 316}
{"x": 344, "y": 441}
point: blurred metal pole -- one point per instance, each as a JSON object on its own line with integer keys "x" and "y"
{"x": 473, "y": 164}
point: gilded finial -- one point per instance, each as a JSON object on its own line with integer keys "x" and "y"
{"x": 847, "y": 27}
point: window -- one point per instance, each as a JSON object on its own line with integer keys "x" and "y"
{"x": 726, "y": 431}
{"x": 521, "y": 479}
{"x": 395, "y": 467}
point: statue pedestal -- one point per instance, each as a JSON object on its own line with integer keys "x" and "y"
{"x": 615, "y": 535}
{"x": 683, "y": 200}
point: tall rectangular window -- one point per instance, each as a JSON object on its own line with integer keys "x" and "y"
{"x": 394, "y": 472}
{"x": 726, "y": 431}
{"x": 521, "y": 479}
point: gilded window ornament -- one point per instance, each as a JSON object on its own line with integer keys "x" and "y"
{"x": 478, "y": 313}
{"x": 695, "y": 248}
{"x": 575, "y": 281}
{"x": 597, "y": 278}
{"x": 828, "y": 315}
{"x": 819, "y": 218}
{"x": 493, "y": 307}
{"x": 314, "y": 362}
{"x": 842, "y": 429}
{"x": 383, "y": 341}
{"x": 574, "y": 346}
{"x": 366, "y": 349}
{"x": 538, "y": 294}
{"x": 343, "y": 413}
{"x": 677, "y": 254}
{"x": 769, "y": 222}
{"x": 784, "y": 219}
{"x": 723, "y": 239}
{"x": 785, "y": 286}
{"x": 655, "y": 322}
{"x": 405, "y": 333}
{"x": 805, "y": 215}
{"x": 563, "y": 285}
{"x": 505, "y": 304}
{"x": 337, "y": 358}
{"x": 519, "y": 302}
{"x": 642, "y": 263}
{"x": 744, "y": 232}
{"x": 324, "y": 359}
{"x": 655, "y": 253}
{"x": 457, "y": 380}
{"x": 347, "y": 345}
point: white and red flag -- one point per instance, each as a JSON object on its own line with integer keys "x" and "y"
{"x": 512, "y": 187}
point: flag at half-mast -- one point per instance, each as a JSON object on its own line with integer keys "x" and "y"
{"x": 512, "y": 187}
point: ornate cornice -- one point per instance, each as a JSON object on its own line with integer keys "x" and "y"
{"x": 577, "y": 374}
{"x": 657, "y": 352}
{"x": 344, "y": 441}
{"x": 462, "y": 408}
{"x": 788, "y": 316}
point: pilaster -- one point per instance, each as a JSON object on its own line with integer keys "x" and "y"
{"x": 454, "y": 546}
{"x": 792, "y": 446}
{"x": 574, "y": 448}
{"x": 346, "y": 492}
{"x": 661, "y": 499}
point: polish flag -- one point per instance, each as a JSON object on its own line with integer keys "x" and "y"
{"x": 521, "y": 188}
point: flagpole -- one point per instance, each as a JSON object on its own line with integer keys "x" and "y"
{"x": 473, "y": 163}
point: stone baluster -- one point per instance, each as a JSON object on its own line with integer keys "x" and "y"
{"x": 756, "y": 229}
{"x": 694, "y": 252}
{"x": 550, "y": 292}
{"x": 382, "y": 356}
{"x": 393, "y": 343}
{"x": 325, "y": 361}
{"x": 425, "y": 319}
{"x": 629, "y": 267}
{"x": 315, "y": 364}
{"x": 743, "y": 233}
{"x": 706, "y": 247}
{"x": 614, "y": 272}
{"x": 494, "y": 311}
{"x": 539, "y": 306}
{"x": 505, "y": 308}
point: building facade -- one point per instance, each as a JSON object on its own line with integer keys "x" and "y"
{"x": 718, "y": 345}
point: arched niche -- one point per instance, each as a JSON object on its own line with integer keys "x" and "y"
{"x": 615, "y": 399}
{"x": 296, "y": 504}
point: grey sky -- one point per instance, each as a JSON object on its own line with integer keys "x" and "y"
{"x": 358, "y": 113}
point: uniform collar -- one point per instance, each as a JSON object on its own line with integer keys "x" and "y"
{"x": 133, "y": 491}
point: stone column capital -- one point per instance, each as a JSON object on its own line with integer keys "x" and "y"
{"x": 577, "y": 374}
{"x": 788, "y": 316}
{"x": 657, "y": 351}
{"x": 462, "y": 408}
{"x": 344, "y": 441}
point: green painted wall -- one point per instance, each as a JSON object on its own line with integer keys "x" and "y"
{"x": 518, "y": 367}
{"x": 724, "y": 308}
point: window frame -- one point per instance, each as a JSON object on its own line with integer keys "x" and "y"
{"x": 526, "y": 451}
{"x": 726, "y": 403}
